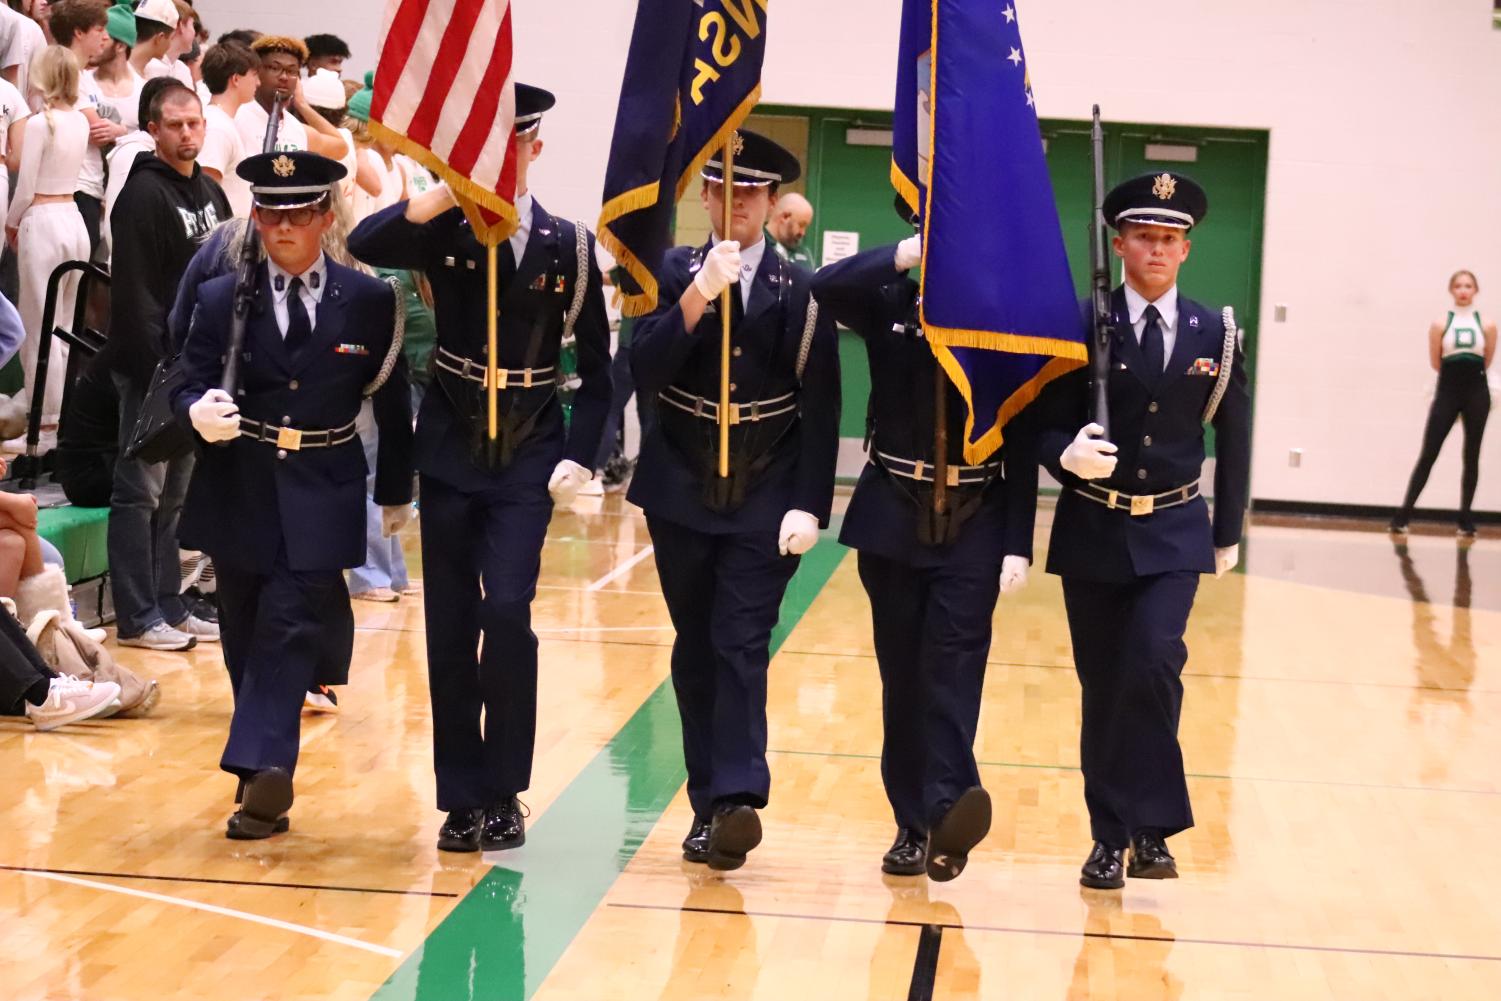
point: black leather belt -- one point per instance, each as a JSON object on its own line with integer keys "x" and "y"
{"x": 740, "y": 413}
{"x": 1139, "y": 504}
{"x": 507, "y": 378}
{"x": 295, "y": 439}
{"x": 923, "y": 471}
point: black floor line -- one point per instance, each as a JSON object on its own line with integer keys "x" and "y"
{"x": 925, "y": 966}
{"x": 1057, "y": 933}
{"x": 230, "y": 882}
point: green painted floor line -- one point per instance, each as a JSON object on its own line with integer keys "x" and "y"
{"x": 503, "y": 938}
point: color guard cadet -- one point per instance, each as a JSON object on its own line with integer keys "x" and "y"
{"x": 483, "y": 524}
{"x": 727, "y": 546}
{"x": 1132, "y": 531}
{"x": 278, "y": 497}
{"x": 932, "y": 562}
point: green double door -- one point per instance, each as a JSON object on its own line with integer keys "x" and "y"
{"x": 847, "y": 159}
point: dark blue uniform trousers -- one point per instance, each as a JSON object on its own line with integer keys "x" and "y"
{"x": 932, "y": 636}
{"x": 723, "y": 594}
{"x": 1129, "y": 653}
{"x": 280, "y": 631}
{"x": 481, "y": 554}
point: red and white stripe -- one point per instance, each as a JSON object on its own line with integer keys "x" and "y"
{"x": 444, "y": 81}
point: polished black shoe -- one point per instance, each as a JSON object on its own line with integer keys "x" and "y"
{"x": 265, "y": 798}
{"x": 503, "y": 827}
{"x": 1150, "y": 858}
{"x": 696, "y": 844}
{"x": 1103, "y": 869}
{"x": 908, "y": 855}
{"x": 735, "y": 830}
{"x": 962, "y": 826}
{"x": 460, "y": 832}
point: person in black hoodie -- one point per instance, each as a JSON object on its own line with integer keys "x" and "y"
{"x": 166, "y": 210}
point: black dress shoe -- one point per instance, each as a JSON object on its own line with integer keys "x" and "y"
{"x": 908, "y": 855}
{"x": 503, "y": 826}
{"x": 1102, "y": 870}
{"x": 1150, "y": 858}
{"x": 265, "y": 799}
{"x": 460, "y": 832}
{"x": 735, "y": 830}
{"x": 696, "y": 844}
{"x": 962, "y": 826}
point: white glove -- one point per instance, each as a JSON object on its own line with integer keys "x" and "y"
{"x": 721, "y": 267}
{"x": 909, "y": 253}
{"x": 1089, "y": 457}
{"x": 568, "y": 478}
{"x": 215, "y": 416}
{"x": 1226, "y": 559}
{"x": 1014, "y": 573}
{"x": 799, "y": 532}
{"x": 394, "y": 518}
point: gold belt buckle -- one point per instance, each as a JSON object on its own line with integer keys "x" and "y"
{"x": 1142, "y": 505}
{"x": 289, "y": 439}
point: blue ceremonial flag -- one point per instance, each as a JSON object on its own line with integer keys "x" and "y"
{"x": 998, "y": 304}
{"x": 692, "y": 76}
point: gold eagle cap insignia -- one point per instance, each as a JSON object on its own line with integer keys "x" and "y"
{"x": 738, "y": 144}
{"x": 1165, "y": 187}
{"x": 284, "y": 166}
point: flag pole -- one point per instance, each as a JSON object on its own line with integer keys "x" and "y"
{"x": 728, "y": 159}
{"x": 492, "y": 367}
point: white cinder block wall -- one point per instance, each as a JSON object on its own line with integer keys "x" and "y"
{"x": 1385, "y": 170}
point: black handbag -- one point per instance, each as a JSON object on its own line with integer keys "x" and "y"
{"x": 158, "y": 435}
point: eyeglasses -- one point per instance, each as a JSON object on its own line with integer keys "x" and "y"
{"x": 303, "y": 216}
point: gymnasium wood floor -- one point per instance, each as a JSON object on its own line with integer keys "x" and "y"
{"x": 1337, "y": 726}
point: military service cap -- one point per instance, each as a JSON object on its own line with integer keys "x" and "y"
{"x": 289, "y": 180}
{"x": 1165, "y": 199}
{"x": 531, "y": 104}
{"x": 758, "y": 162}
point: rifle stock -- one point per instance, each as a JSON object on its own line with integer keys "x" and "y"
{"x": 1099, "y": 341}
{"x": 250, "y": 255}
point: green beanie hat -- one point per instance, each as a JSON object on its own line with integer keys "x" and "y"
{"x": 359, "y": 104}
{"x": 120, "y": 21}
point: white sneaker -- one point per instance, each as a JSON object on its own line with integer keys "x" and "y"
{"x": 70, "y": 700}
{"x": 200, "y": 629}
{"x": 160, "y": 637}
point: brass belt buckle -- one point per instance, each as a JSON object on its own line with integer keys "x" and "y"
{"x": 1142, "y": 505}
{"x": 289, "y": 439}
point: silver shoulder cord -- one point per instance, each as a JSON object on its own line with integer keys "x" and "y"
{"x": 1227, "y": 362}
{"x": 581, "y": 277}
{"x": 809, "y": 325}
{"x": 398, "y": 336}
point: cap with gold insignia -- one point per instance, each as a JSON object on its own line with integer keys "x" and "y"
{"x": 1162, "y": 199}
{"x": 531, "y": 104}
{"x": 290, "y": 179}
{"x": 758, "y": 162}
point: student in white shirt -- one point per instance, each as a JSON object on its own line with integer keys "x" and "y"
{"x": 155, "y": 22}
{"x": 119, "y": 84}
{"x": 184, "y": 36}
{"x": 80, "y": 26}
{"x": 43, "y": 223}
{"x": 325, "y": 93}
{"x": 21, "y": 38}
{"x": 282, "y": 59}
{"x": 229, "y": 70}
{"x": 13, "y": 109}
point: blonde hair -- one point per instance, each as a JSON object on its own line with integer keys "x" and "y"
{"x": 54, "y": 73}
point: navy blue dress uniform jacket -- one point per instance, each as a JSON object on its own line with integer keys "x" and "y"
{"x": 868, "y": 295}
{"x": 534, "y": 295}
{"x": 1157, "y": 425}
{"x": 765, "y": 343}
{"x": 248, "y": 499}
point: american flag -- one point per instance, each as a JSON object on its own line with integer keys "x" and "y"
{"x": 445, "y": 95}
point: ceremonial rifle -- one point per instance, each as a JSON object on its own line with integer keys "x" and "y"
{"x": 250, "y": 260}
{"x": 1099, "y": 341}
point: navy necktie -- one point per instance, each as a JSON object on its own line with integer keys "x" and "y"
{"x": 1152, "y": 350}
{"x": 299, "y": 325}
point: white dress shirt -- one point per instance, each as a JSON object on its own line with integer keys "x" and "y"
{"x": 1167, "y": 307}
{"x": 314, "y": 279}
{"x": 524, "y": 227}
{"x": 750, "y": 263}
